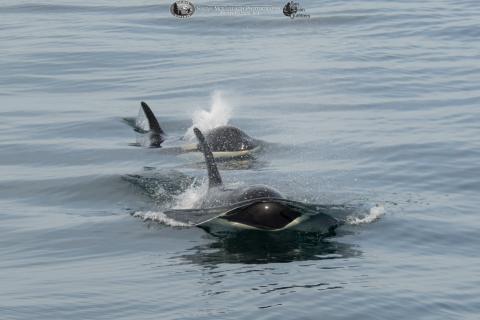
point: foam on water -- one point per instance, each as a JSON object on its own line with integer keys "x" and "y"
{"x": 191, "y": 198}
{"x": 373, "y": 215}
{"x": 160, "y": 217}
{"x": 187, "y": 200}
{"x": 219, "y": 114}
{"x": 141, "y": 121}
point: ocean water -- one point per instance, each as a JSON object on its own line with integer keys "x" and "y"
{"x": 371, "y": 104}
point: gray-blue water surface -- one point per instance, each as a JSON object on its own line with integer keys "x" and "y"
{"x": 366, "y": 102}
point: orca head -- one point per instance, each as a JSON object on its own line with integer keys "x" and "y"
{"x": 263, "y": 209}
{"x": 228, "y": 139}
{"x": 257, "y": 192}
{"x": 264, "y": 215}
{"x": 267, "y": 213}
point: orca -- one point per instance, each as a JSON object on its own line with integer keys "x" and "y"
{"x": 255, "y": 207}
{"x": 224, "y": 141}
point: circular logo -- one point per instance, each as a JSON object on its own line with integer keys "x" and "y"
{"x": 182, "y": 9}
{"x": 290, "y": 9}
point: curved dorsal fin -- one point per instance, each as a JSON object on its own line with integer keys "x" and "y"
{"x": 152, "y": 121}
{"x": 214, "y": 179}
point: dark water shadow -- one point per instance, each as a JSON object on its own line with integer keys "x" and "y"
{"x": 253, "y": 247}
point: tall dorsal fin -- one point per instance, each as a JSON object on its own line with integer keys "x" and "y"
{"x": 214, "y": 179}
{"x": 152, "y": 121}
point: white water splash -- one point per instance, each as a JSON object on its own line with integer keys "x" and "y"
{"x": 159, "y": 217}
{"x": 374, "y": 214}
{"x": 141, "y": 121}
{"x": 187, "y": 200}
{"x": 191, "y": 198}
{"x": 219, "y": 114}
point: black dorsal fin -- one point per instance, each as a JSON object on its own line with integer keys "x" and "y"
{"x": 152, "y": 121}
{"x": 214, "y": 179}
